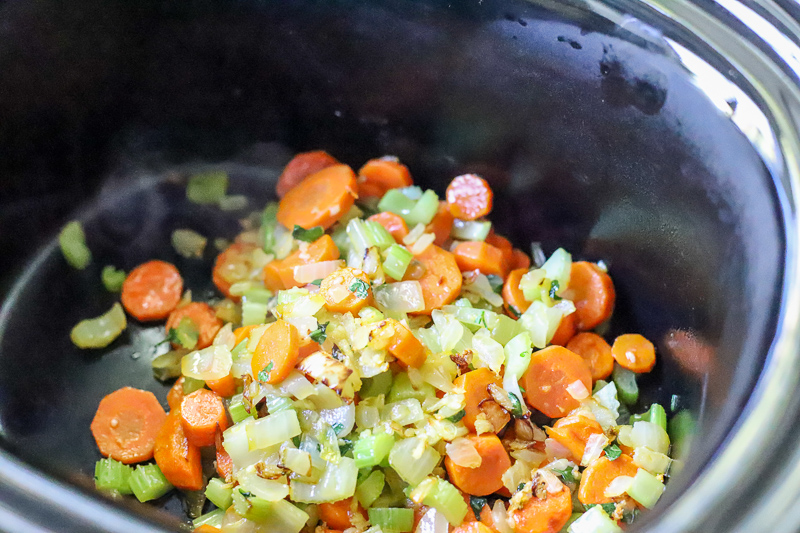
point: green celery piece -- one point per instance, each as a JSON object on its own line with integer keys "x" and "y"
{"x": 148, "y": 483}
{"x": 111, "y": 475}
{"x": 371, "y": 488}
{"x": 625, "y": 380}
{"x": 72, "y": 241}
{"x": 207, "y": 188}
{"x": 376, "y": 385}
{"x": 112, "y": 278}
{"x": 219, "y": 493}
{"x": 392, "y": 519}
{"x": 372, "y": 450}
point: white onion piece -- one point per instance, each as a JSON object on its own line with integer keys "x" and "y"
{"x": 403, "y": 296}
{"x": 463, "y": 453}
{"x": 594, "y": 447}
{"x": 207, "y": 364}
{"x": 555, "y": 450}
{"x": 225, "y": 337}
{"x": 552, "y": 483}
{"x": 650, "y": 436}
{"x": 433, "y": 521}
{"x": 415, "y": 233}
{"x": 421, "y": 244}
{"x": 578, "y": 390}
{"x": 500, "y": 517}
{"x": 297, "y": 385}
{"x": 304, "y": 324}
{"x": 618, "y": 486}
{"x": 345, "y": 416}
{"x": 314, "y": 271}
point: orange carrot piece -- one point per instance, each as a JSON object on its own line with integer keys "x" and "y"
{"x": 152, "y": 290}
{"x": 346, "y": 290}
{"x": 473, "y": 527}
{"x": 592, "y": 291}
{"x": 547, "y": 515}
{"x": 565, "y": 331}
{"x": 243, "y": 332}
{"x": 475, "y": 385}
{"x": 300, "y": 167}
{"x": 634, "y": 352}
{"x": 322, "y": 529}
{"x": 573, "y": 432}
{"x": 469, "y": 197}
{"x": 441, "y": 225}
{"x": 502, "y": 244}
{"x": 319, "y": 200}
{"x": 441, "y": 280}
{"x": 126, "y": 424}
{"x": 279, "y": 274}
{"x": 307, "y": 347}
{"x": 485, "y": 514}
{"x": 379, "y": 175}
{"x": 599, "y": 475}
{"x": 405, "y": 346}
{"x": 203, "y": 316}
{"x": 520, "y": 259}
{"x": 178, "y": 459}
{"x": 338, "y": 515}
{"x": 477, "y": 255}
{"x": 595, "y": 351}
{"x": 487, "y": 478}
{"x": 394, "y": 224}
{"x": 234, "y": 264}
{"x": 549, "y": 374}
{"x": 223, "y": 463}
{"x": 202, "y": 415}
{"x": 514, "y": 300}
{"x": 175, "y": 394}
{"x": 277, "y": 353}
{"x": 205, "y": 528}
{"x": 224, "y": 387}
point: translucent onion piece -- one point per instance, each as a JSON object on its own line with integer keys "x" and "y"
{"x": 618, "y": 486}
{"x": 403, "y": 296}
{"x": 207, "y": 364}
{"x": 297, "y": 385}
{"x": 188, "y": 243}
{"x": 267, "y": 489}
{"x": 314, "y": 271}
{"x": 556, "y": 450}
{"x": 341, "y": 419}
{"x": 432, "y": 521}
{"x": 463, "y": 453}
{"x": 594, "y": 447}
{"x": 500, "y": 517}
{"x": 225, "y": 337}
{"x": 101, "y": 331}
{"x": 578, "y": 390}
{"x": 650, "y": 436}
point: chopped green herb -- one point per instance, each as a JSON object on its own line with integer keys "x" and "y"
{"x": 496, "y": 282}
{"x": 296, "y": 441}
{"x": 458, "y": 416}
{"x": 318, "y": 335}
{"x": 554, "y": 288}
{"x": 186, "y": 334}
{"x": 264, "y": 374}
{"x": 520, "y": 487}
{"x": 245, "y": 493}
{"x": 483, "y": 319}
{"x": 360, "y": 288}
{"x": 613, "y": 452}
{"x": 516, "y": 405}
{"x": 307, "y": 235}
{"x": 316, "y": 282}
{"x": 522, "y": 389}
{"x": 345, "y": 446}
{"x": 477, "y": 504}
{"x": 514, "y": 311}
{"x": 337, "y": 427}
{"x": 568, "y": 474}
{"x": 607, "y": 507}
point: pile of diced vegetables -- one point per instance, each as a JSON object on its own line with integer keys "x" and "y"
{"x": 379, "y": 360}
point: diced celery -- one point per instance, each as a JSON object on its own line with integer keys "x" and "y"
{"x": 627, "y": 389}
{"x": 148, "y": 483}
{"x": 250, "y": 506}
{"x": 101, "y": 331}
{"x": 413, "y": 459}
{"x": 371, "y": 450}
{"x": 657, "y": 415}
{"x": 253, "y": 313}
{"x": 378, "y": 235}
{"x": 111, "y": 475}
{"x": 273, "y": 429}
{"x": 650, "y": 435}
{"x": 190, "y": 385}
{"x": 595, "y": 520}
{"x": 402, "y": 389}
{"x": 445, "y": 498}
{"x": 286, "y": 518}
{"x": 646, "y": 488}
{"x": 369, "y": 489}
{"x": 72, "y": 241}
{"x": 168, "y": 365}
{"x": 219, "y": 493}
{"x": 653, "y": 462}
{"x": 395, "y": 201}
{"x": 112, "y": 278}
{"x": 207, "y": 188}
{"x": 397, "y": 259}
{"x": 470, "y": 230}
{"x": 392, "y": 519}
{"x": 186, "y": 334}
{"x": 237, "y": 409}
{"x": 211, "y": 518}
{"x": 424, "y": 210}
{"x": 266, "y": 489}
{"x": 506, "y": 329}
{"x": 557, "y": 268}
{"x": 337, "y": 483}
{"x": 359, "y": 235}
{"x": 378, "y": 384}
{"x": 276, "y": 404}
{"x": 681, "y": 432}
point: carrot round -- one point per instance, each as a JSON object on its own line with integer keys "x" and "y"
{"x": 307, "y": 347}
{"x": 346, "y": 290}
{"x": 565, "y": 331}
{"x": 224, "y": 387}
{"x": 279, "y": 274}
{"x": 243, "y": 332}
{"x": 502, "y": 244}
{"x": 573, "y": 431}
{"x": 379, "y": 175}
{"x": 441, "y": 280}
{"x": 475, "y": 384}
{"x": 300, "y": 167}
{"x": 205, "y": 528}
{"x": 514, "y": 300}
{"x": 394, "y": 224}
{"x": 599, "y": 475}
{"x": 202, "y": 415}
{"x": 405, "y": 346}
{"x": 469, "y": 197}
{"x": 520, "y": 259}
{"x": 203, "y": 316}
{"x": 175, "y": 394}
{"x": 487, "y": 478}
{"x": 549, "y": 374}
{"x": 338, "y": 515}
{"x": 441, "y": 225}
{"x": 178, "y": 459}
{"x": 152, "y": 290}
{"x": 319, "y": 200}
{"x": 473, "y": 527}
{"x": 477, "y": 255}
{"x": 634, "y": 352}
{"x": 126, "y": 424}
{"x": 276, "y": 353}
{"x": 592, "y": 291}
{"x": 546, "y": 515}
{"x": 234, "y": 264}
{"x": 595, "y": 351}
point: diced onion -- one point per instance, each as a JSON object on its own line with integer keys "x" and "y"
{"x": 225, "y": 337}
{"x": 553, "y": 485}
{"x": 500, "y": 517}
{"x": 556, "y": 450}
{"x": 432, "y": 521}
{"x": 268, "y": 489}
{"x": 607, "y": 397}
{"x": 488, "y": 352}
{"x": 342, "y": 419}
{"x": 477, "y": 283}
{"x": 297, "y": 385}
{"x": 578, "y": 390}
{"x": 618, "y": 486}
{"x": 403, "y": 296}
{"x": 651, "y": 436}
{"x": 519, "y": 472}
{"x": 653, "y": 462}
{"x": 594, "y": 447}
{"x": 463, "y": 453}
{"x": 415, "y": 233}
{"x": 421, "y": 244}
{"x": 207, "y": 364}
{"x": 314, "y": 271}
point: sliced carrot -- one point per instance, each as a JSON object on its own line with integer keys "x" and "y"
{"x": 592, "y": 291}
{"x": 487, "y": 478}
{"x": 520, "y": 259}
{"x": 152, "y": 290}
{"x": 441, "y": 225}
{"x": 469, "y": 197}
{"x": 126, "y": 424}
{"x": 406, "y": 347}
{"x": 473, "y": 527}
{"x": 394, "y": 224}
{"x": 599, "y": 475}
{"x": 549, "y": 374}
{"x": 277, "y": 353}
{"x": 514, "y": 300}
{"x": 224, "y": 387}
{"x": 565, "y": 331}
{"x": 338, "y": 515}
{"x": 323, "y": 529}
{"x": 502, "y": 244}
{"x": 243, "y": 332}
{"x": 223, "y": 463}
{"x": 441, "y": 278}
{"x": 178, "y": 459}
{"x": 175, "y": 394}
{"x": 300, "y": 167}
{"x": 595, "y": 351}
{"x": 475, "y": 385}
{"x": 279, "y": 274}
{"x": 572, "y": 432}
{"x": 346, "y": 290}
{"x": 203, "y": 316}
{"x": 205, "y": 528}
{"x": 634, "y": 352}
{"x": 379, "y": 175}
{"x": 319, "y": 200}
{"x": 234, "y": 264}
{"x": 307, "y": 347}
{"x": 477, "y": 255}
{"x": 546, "y": 515}
{"x": 202, "y": 415}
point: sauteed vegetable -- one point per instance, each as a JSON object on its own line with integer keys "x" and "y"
{"x": 380, "y": 359}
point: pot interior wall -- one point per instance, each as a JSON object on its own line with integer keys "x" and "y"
{"x": 593, "y": 139}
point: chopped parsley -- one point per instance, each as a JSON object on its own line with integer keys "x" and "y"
{"x": 185, "y": 335}
{"x": 245, "y": 493}
{"x": 345, "y": 446}
{"x": 477, "y": 505}
{"x": 318, "y": 335}
{"x": 482, "y": 320}
{"x": 337, "y": 427}
{"x": 568, "y": 474}
{"x": 520, "y": 487}
{"x": 555, "y": 286}
{"x": 264, "y": 374}
{"x": 360, "y": 288}
{"x": 316, "y": 282}
{"x": 613, "y": 452}
{"x": 516, "y": 405}
{"x": 496, "y": 282}
{"x": 458, "y": 416}
{"x": 307, "y": 235}
{"x": 607, "y": 507}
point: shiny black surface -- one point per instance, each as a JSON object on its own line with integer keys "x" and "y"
{"x": 594, "y": 140}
